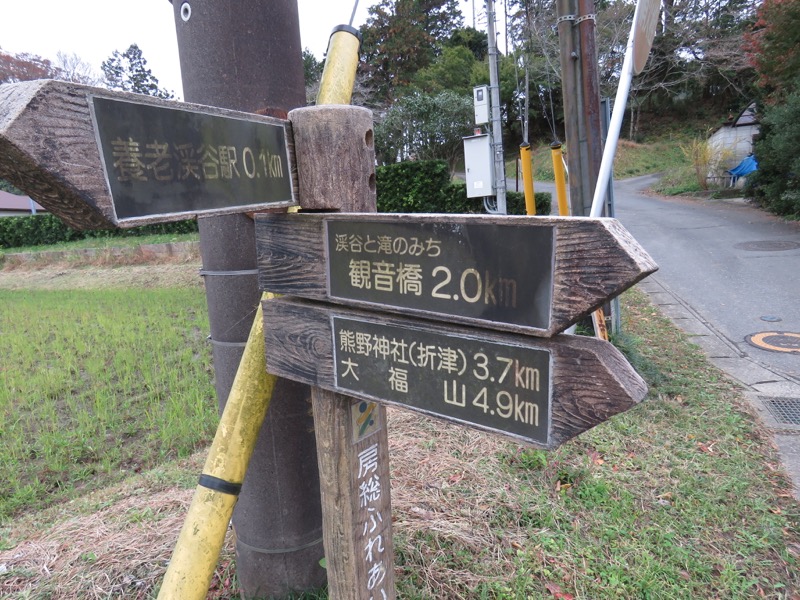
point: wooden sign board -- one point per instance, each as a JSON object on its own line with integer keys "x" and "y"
{"x": 644, "y": 30}
{"x": 533, "y": 275}
{"x": 101, "y": 159}
{"x": 540, "y": 391}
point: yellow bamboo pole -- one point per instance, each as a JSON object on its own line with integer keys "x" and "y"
{"x": 203, "y": 534}
{"x": 339, "y": 74}
{"x": 527, "y": 178}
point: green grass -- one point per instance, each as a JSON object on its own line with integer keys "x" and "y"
{"x": 680, "y": 497}
{"x": 677, "y": 498}
{"x": 658, "y": 155}
{"x": 96, "y": 383}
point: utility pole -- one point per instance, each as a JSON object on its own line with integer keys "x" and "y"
{"x": 580, "y": 85}
{"x": 497, "y": 126}
{"x": 246, "y": 55}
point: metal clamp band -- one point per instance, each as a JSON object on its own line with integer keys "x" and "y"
{"x": 565, "y": 18}
{"x": 228, "y": 344}
{"x": 205, "y": 273}
{"x": 219, "y": 485}
{"x": 585, "y": 18}
{"x": 279, "y": 551}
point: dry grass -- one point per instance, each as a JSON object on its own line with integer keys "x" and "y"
{"x": 114, "y": 543}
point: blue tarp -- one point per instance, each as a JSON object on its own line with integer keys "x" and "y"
{"x": 744, "y": 168}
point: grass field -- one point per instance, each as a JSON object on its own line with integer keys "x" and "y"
{"x": 97, "y": 383}
{"x": 106, "y": 394}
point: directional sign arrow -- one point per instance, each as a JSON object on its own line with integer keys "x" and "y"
{"x": 100, "y": 159}
{"x": 541, "y": 391}
{"x": 532, "y": 275}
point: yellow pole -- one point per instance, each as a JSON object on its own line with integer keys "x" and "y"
{"x": 203, "y": 534}
{"x": 527, "y": 178}
{"x": 339, "y": 74}
{"x": 561, "y": 180}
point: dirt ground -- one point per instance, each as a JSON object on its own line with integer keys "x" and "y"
{"x": 66, "y": 277}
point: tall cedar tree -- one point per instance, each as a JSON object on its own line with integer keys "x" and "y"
{"x": 403, "y": 36}
{"x": 128, "y": 72}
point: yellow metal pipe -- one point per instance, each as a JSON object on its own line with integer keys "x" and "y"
{"x": 203, "y": 534}
{"x": 527, "y": 178}
{"x": 339, "y": 74}
{"x": 561, "y": 180}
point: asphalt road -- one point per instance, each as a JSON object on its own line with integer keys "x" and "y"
{"x": 737, "y": 266}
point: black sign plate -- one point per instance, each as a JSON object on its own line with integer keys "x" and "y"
{"x": 161, "y": 161}
{"x": 491, "y": 272}
{"x": 501, "y": 387}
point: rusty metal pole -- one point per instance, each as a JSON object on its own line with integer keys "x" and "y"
{"x": 246, "y": 55}
{"x": 590, "y": 80}
{"x": 571, "y": 93}
{"x": 580, "y": 86}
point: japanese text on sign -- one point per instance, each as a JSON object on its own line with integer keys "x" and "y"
{"x": 468, "y": 269}
{"x": 501, "y": 387}
{"x": 161, "y": 161}
{"x": 374, "y": 524}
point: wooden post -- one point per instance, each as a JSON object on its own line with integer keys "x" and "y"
{"x": 335, "y": 160}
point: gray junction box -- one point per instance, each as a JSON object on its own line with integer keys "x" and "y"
{"x": 479, "y": 164}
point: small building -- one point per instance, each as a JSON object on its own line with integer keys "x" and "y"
{"x": 731, "y": 143}
{"x": 12, "y": 205}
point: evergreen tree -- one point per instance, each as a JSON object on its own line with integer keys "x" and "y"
{"x": 128, "y": 72}
{"x": 401, "y": 37}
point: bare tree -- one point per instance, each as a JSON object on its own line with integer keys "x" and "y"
{"x": 72, "y": 67}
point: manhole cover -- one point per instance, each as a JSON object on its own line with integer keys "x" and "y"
{"x": 786, "y": 411}
{"x": 768, "y": 245}
{"x": 775, "y": 341}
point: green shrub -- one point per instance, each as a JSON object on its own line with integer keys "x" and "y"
{"x": 776, "y": 184}
{"x": 40, "y": 230}
{"x": 424, "y": 187}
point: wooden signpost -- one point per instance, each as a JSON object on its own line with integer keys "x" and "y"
{"x": 532, "y": 275}
{"x": 376, "y": 297}
{"x": 371, "y": 323}
{"x": 99, "y": 159}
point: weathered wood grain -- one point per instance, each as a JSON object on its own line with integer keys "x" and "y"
{"x": 590, "y": 380}
{"x": 593, "y": 260}
{"x": 335, "y": 155}
{"x": 49, "y": 149}
{"x": 335, "y": 160}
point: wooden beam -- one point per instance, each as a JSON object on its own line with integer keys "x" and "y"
{"x": 532, "y": 275}
{"x": 336, "y": 157}
{"x": 56, "y": 145}
{"x": 492, "y": 381}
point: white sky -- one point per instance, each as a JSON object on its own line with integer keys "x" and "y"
{"x": 93, "y": 29}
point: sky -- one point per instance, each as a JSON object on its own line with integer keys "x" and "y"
{"x": 93, "y": 29}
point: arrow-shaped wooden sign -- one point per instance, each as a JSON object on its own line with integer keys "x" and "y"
{"x": 533, "y": 275}
{"x": 541, "y": 391}
{"x": 101, "y": 159}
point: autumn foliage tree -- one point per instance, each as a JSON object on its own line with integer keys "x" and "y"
{"x": 25, "y": 67}
{"x": 774, "y": 50}
{"x": 773, "y": 47}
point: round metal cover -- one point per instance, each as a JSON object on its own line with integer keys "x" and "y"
{"x": 775, "y": 341}
{"x": 768, "y": 245}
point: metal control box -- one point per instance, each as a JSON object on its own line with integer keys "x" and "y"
{"x": 479, "y": 164}
{"x": 480, "y": 98}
